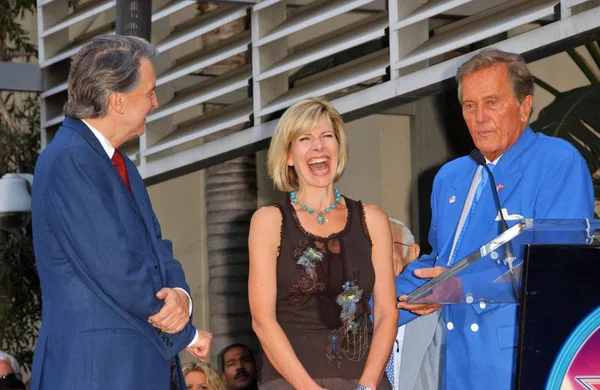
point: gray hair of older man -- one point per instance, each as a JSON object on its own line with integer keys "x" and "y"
{"x": 407, "y": 236}
{"x": 520, "y": 76}
{"x": 107, "y": 64}
{"x": 13, "y": 362}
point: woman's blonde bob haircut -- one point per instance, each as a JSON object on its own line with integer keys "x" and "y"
{"x": 298, "y": 119}
{"x": 213, "y": 380}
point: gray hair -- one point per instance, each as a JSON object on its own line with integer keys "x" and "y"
{"x": 107, "y": 64}
{"x": 407, "y": 236}
{"x": 13, "y": 362}
{"x": 520, "y": 77}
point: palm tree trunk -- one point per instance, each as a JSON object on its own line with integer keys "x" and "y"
{"x": 231, "y": 198}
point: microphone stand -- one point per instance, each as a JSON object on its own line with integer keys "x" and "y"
{"x": 509, "y": 257}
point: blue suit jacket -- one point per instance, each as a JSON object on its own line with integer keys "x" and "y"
{"x": 543, "y": 177}
{"x": 101, "y": 260}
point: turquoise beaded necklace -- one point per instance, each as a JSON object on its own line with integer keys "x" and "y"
{"x": 321, "y": 218}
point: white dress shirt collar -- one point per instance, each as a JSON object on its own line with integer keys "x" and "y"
{"x": 108, "y": 148}
{"x": 495, "y": 162}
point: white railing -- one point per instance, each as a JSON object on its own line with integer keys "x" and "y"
{"x": 359, "y": 53}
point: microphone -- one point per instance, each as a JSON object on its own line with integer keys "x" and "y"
{"x": 509, "y": 257}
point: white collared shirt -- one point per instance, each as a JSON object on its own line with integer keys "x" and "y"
{"x": 397, "y": 352}
{"x": 495, "y": 162}
{"x": 108, "y": 148}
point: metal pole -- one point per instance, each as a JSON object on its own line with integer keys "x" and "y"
{"x": 134, "y": 17}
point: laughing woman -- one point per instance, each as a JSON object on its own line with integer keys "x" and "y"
{"x": 315, "y": 260}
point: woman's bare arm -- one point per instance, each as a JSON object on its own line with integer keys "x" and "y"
{"x": 385, "y": 314}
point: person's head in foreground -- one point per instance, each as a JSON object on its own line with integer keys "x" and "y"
{"x": 308, "y": 148}
{"x": 201, "y": 376}
{"x": 495, "y": 89}
{"x": 238, "y": 367}
{"x": 111, "y": 86}
{"x": 405, "y": 250}
{"x": 10, "y": 372}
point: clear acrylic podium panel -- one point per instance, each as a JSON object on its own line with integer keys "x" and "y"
{"x": 485, "y": 274}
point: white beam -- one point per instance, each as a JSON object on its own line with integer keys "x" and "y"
{"x": 408, "y": 86}
{"x": 205, "y": 23}
{"x": 334, "y": 79}
{"x": 209, "y": 123}
{"x": 309, "y": 15}
{"x": 170, "y": 8}
{"x": 203, "y": 92}
{"x": 361, "y": 33}
{"x": 79, "y": 15}
{"x": 208, "y": 56}
{"x": 479, "y": 27}
{"x": 428, "y": 10}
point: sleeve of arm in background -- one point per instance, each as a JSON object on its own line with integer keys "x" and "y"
{"x": 407, "y": 282}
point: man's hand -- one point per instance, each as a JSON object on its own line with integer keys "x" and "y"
{"x": 201, "y": 348}
{"x": 422, "y": 309}
{"x": 174, "y": 315}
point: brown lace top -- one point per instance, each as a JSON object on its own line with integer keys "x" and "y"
{"x": 323, "y": 288}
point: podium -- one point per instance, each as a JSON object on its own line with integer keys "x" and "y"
{"x": 551, "y": 268}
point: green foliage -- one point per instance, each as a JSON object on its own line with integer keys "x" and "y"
{"x": 574, "y": 114}
{"x": 20, "y": 295}
{"x": 13, "y": 36}
{"x": 20, "y": 149}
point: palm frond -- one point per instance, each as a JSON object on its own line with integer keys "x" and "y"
{"x": 575, "y": 116}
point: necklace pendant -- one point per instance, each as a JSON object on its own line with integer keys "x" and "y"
{"x": 320, "y": 219}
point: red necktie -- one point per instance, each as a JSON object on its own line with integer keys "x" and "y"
{"x": 119, "y": 162}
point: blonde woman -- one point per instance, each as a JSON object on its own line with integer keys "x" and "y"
{"x": 315, "y": 260}
{"x": 201, "y": 376}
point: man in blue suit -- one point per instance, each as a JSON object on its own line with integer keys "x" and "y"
{"x": 116, "y": 306}
{"x": 536, "y": 176}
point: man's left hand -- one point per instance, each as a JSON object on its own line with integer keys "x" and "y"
{"x": 201, "y": 348}
{"x": 174, "y": 315}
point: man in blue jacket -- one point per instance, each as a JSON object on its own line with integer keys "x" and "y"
{"x": 116, "y": 306}
{"x": 536, "y": 176}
